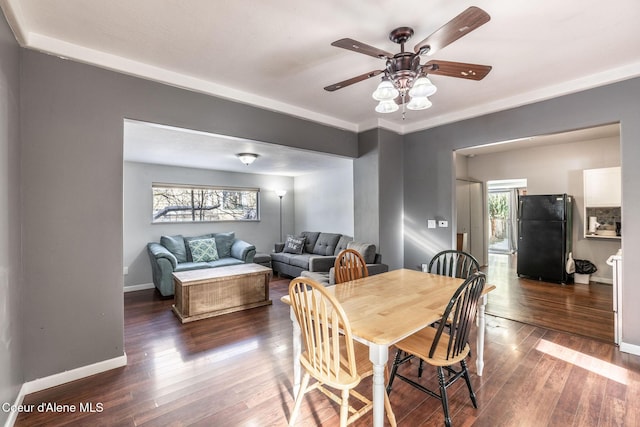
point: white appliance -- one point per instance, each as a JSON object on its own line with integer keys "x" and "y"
{"x": 615, "y": 261}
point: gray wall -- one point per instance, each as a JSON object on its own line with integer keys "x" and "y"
{"x": 72, "y": 159}
{"x": 378, "y": 195}
{"x": 365, "y": 179}
{"x": 562, "y": 173}
{"x": 391, "y": 198}
{"x": 324, "y": 200}
{"x": 11, "y": 353}
{"x": 138, "y": 229}
{"x": 429, "y": 169}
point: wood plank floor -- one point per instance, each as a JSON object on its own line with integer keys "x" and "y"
{"x": 236, "y": 370}
{"x": 577, "y": 308}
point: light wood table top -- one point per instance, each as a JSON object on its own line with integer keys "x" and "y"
{"x": 385, "y": 308}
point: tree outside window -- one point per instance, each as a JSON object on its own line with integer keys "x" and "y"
{"x": 179, "y": 203}
{"x": 498, "y": 214}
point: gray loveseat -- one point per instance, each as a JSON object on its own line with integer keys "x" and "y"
{"x": 174, "y": 253}
{"x": 318, "y": 254}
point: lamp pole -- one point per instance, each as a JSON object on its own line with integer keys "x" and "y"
{"x": 280, "y": 194}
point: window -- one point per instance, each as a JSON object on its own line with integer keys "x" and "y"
{"x": 189, "y": 203}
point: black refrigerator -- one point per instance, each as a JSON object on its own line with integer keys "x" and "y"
{"x": 544, "y": 237}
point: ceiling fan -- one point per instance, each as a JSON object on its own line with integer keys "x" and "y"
{"x": 404, "y": 75}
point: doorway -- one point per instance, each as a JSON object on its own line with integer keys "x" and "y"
{"x": 502, "y": 209}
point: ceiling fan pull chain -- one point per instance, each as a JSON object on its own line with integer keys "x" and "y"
{"x": 403, "y": 110}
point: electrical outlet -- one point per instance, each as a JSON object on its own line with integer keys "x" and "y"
{"x": 431, "y": 223}
{"x": 125, "y": 271}
{"x": 443, "y": 224}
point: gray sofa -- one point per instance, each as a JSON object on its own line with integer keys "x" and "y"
{"x": 174, "y": 254}
{"x": 318, "y": 254}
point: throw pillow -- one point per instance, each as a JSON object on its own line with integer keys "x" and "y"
{"x": 188, "y": 239}
{"x": 203, "y": 250}
{"x": 294, "y": 244}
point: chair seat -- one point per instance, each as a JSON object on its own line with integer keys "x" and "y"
{"x": 419, "y": 345}
{"x": 364, "y": 367}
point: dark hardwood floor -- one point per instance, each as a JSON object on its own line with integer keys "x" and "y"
{"x": 577, "y": 308}
{"x": 236, "y": 370}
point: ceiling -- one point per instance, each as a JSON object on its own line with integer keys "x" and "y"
{"x": 166, "y": 145}
{"x": 278, "y": 55}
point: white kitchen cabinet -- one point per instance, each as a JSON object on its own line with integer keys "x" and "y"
{"x": 602, "y": 187}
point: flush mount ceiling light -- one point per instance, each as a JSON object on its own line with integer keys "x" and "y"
{"x": 247, "y": 158}
{"x": 404, "y": 79}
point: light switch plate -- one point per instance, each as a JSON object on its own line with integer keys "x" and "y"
{"x": 443, "y": 224}
{"x": 431, "y": 223}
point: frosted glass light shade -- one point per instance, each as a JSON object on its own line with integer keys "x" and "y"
{"x": 419, "y": 103}
{"x": 422, "y": 87}
{"x": 388, "y": 106}
{"x": 385, "y": 91}
{"x": 281, "y": 193}
{"x": 247, "y": 158}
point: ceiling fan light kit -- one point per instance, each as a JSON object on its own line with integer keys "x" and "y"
{"x": 388, "y": 106}
{"x": 404, "y": 78}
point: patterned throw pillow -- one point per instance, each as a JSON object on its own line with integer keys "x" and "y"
{"x": 294, "y": 244}
{"x": 203, "y": 250}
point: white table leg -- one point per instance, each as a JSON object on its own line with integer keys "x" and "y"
{"x": 481, "y": 321}
{"x": 297, "y": 350}
{"x": 379, "y": 355}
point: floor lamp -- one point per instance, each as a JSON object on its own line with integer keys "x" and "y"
{"x": 280, "y": 194}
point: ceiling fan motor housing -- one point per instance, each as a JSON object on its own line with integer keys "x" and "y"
{"x": 403, "y": 69}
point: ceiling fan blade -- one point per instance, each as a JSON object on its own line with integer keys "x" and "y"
{"x": 353, "y": 80}
{"x": 459, "y": 26}
{"x": 360, "y": 47}
{"x": 456, "y": 69}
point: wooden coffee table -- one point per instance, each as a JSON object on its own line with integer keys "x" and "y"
{"x": 211, "y": 292}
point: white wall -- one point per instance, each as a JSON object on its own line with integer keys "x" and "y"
{"x": 324, "y": 200}
{"x": 137, "y": 208}
{"x": 558, "y": 169}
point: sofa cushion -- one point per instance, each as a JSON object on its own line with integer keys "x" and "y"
{"x": 322, "y": 278}
{"x": 203, "y": 250}
{"x": 224, "y": 261}
{"x": 281, "y": 257}
{"x": 188, "y": 239}
{"x": 311, "y": 238}
{"x": 301, "y": 260}
{"x": 342, "y": 244}
{"x": 326, "y": 243}
{"x": 367, "y": 250}
{"x": 185, "y": 266}
{"x": 175, "y": 245}
{"x": 294, "y": 244}
{"x": 224, "y": 241}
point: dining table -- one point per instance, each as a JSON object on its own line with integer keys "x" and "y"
{"x": 385, "y": 308}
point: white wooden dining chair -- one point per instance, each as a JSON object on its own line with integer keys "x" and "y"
{"x": 349, "y": 265}
{"x": 330, "y": 355}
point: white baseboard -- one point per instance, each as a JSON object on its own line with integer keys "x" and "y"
{"x": 138, "y": 287}
{"x": 630, "y": 348}
{"x": 74, "y": 374}
{"x": 63, "y": 378}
